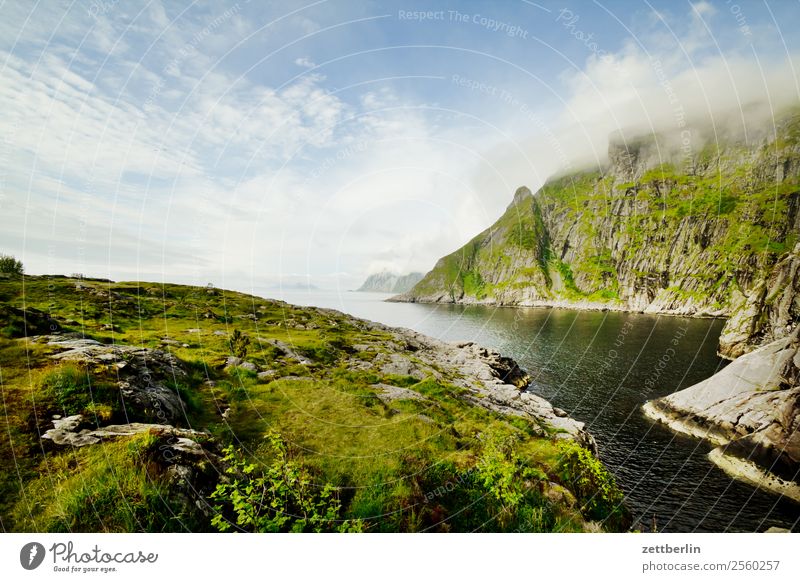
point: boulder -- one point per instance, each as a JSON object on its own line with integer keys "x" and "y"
{"x": 398, "y": 365}
{"x": 286, "y": 351}
{"x": 387, "y": 393}
{"x": 239, "y": 363}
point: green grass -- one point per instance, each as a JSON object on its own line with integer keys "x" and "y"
{"x": 74, "y": 390}
{"x": 102, "y": 488}
{"x": 384, "y": 458}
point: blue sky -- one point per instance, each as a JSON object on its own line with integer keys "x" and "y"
{"x": 253, "y": 144}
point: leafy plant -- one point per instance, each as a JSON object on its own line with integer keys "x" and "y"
{"x": 503, "y": 475}
{"x": 593, "y": 485}
{"x": 284, "y": 498}
{"x": 239, "y": 344}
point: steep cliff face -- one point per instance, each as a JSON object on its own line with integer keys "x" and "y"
{"x": 669, "y": 226}
{"x": 769, "y": 312}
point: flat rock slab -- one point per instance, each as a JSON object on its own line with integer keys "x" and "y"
{"x": 65, "y": 433}
{"x": 743, "y": 397}
{"x": 387, "y": 393}
{"x": 751, "y": 409}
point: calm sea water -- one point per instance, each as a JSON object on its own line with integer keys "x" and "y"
{"x": 601, "y": 367}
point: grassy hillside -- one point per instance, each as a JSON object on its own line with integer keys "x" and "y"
{"x": 300, "y": 417}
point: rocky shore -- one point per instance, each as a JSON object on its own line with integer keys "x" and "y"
{"x": 489, "y": 379}
{"x": 751, "y": 411}
{"x": 189, "y": 459}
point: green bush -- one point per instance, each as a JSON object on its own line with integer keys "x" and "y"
{"x": 594, "y": 487}
{"x": 283, "y": 498}
{"x": 505, "y": 477}
{"x": 239, "y": 344}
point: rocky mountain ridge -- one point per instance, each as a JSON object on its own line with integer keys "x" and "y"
{"x": 708, "y": 233}
{"x": 672, "y": 227}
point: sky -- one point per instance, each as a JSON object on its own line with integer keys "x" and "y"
{"x": 264, "y": 144}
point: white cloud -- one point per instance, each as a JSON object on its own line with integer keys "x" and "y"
{"x": 165, "y": 162}
{"x": 305, "y": 62}
{"x": 654, "y": 84}
{"x": 704, "y": 9}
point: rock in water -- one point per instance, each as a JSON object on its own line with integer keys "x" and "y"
{"x": 751, "y": 410}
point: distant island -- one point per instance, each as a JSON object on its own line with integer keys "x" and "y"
{"x": 388, "y": 282}
{"x": 296, "y": 286}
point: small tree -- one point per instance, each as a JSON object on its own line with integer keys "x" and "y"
{"x": 239, "y": 343}
{"x": 10, "y": 266}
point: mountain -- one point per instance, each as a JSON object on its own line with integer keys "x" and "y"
{"x": 662, "y": 228}
{"x": 293, "y": 286}
{"x": 677, "y": 226}
{"x": 387, "y": 282}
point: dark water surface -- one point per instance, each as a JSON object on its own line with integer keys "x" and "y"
{"x": 600, "y": 368}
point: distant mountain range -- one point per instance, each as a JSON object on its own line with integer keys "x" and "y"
{"x": 298, "y": 286}
{"x": 388, "y": 282}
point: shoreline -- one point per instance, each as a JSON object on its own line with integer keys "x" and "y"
{"x": 748, "y": 472}
{"x": 566, "y": 305}
{"x": 736, "y": 467}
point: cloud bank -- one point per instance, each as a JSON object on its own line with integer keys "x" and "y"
{"x": 217, "y": 144}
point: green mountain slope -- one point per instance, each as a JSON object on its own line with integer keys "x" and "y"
{"x": 665, "y": 228}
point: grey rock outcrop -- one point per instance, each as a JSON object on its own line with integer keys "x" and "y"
{"x": 188, "y": 461}
{"x": 67, "y": 432}
{"x": 233, "y": 361}
{"x": 751, "y": 410}
{"x": 388, "y": 394}
{"x": 771, "y": 311}
{"x": 484, "y": 377}
{"x": 285, "y": 350}
{"x": 143, "y": 375}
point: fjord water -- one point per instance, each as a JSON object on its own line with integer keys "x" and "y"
{"x": 601, "y": 367}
